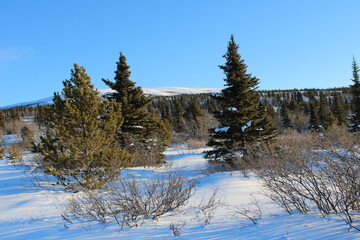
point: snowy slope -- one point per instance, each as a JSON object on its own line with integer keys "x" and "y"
{"x": 43, "y": 101}
{"x": 28, "y": 212}
{"x": 162, "y": 91}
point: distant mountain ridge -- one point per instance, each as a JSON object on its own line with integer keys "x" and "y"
{"x": 161, "y": 91}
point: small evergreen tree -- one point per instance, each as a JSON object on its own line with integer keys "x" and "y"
{"x": 339, "y": 110}
{"x": 2, "y": 152}
{"x": 80, "y": 148}
{"x": 2, "y": 121}
{"x": 243, "y": 120}
{"x": 314, "y": 119}
{"x": 326, "y": 118}
{"x": 157, "y": 134}
{"x": 178, "y": 113}
{"x": 137, "y": 119}
{"x": 355, "y": 89}
{"x": 270, "y": 110}
{"x": 285, "y": 118}
{"x": 14, "y": 113}
{"x": 26, "y": 134}
{"x": 195, "y": 125}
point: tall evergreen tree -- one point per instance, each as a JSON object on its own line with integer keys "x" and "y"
{"x": 355, "y": 88}
{"x": 137, "y": 119}
{"x": 79, "y": 147}
{"x": 243, "y": 120}
{"x": 132, "y": 99}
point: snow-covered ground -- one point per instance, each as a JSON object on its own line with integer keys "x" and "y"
{"x": 29, "y": 212}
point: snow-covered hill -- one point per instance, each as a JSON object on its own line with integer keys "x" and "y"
{"x": 162, "y": 91}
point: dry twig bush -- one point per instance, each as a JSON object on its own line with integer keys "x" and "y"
{"x": 252, "y": 213}
{"x": 15, "y": 153}
{"x": 195, "y": 144}
{"x": 146, "y": 153}
{"x": 316, "y": 172}
{"x": 176, "y": 228}
{"x": 131, "y": 201}
{"x": 209, "y": 205}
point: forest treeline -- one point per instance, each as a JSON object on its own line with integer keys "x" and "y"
{"x": 190, "y": 115}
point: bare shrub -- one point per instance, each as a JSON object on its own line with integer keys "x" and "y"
{"x": 196, "y": 128}
{"x": 252, "y": 213}
{"x": 176, "y": 228}
{"x": 145, "y": 152}
{"x": 132, "y": 201}
{"x": 217, "y": 167}
{"x": 14, "y": 126}
{"x": 34, "y": 170}
{"x": 247, "y": 163}
{"x": 2, "y": 149}
{"x": 300, "y": 121}
{"x": 15, "y": 154}
{"x": 209, "y": 205}
{"x": 178, "y": 138}
{"x": 195, "y": 144}
{"x": 312, "y": 171}
{"x": 27, "y": 135}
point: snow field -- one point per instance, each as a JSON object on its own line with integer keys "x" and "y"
{"x": 29, "y": 212}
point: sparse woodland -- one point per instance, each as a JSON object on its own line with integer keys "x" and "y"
{"x": 303, "y": 144}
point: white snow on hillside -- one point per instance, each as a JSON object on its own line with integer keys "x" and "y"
{"x": 43, "y": 101}
{"x": 28, "y": 212}
{"x": 170, "y": 91}
{"x": 161, "y": 91}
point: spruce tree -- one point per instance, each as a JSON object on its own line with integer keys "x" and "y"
{"x": 196, "y": 126}
{"x": 2, "y": 121}
{"x": 157, "y": 135}
{"x": 285, "y": 118}
{"x": 79, "y": 147}
{"x": 243, "y": 121}
{"x": 355, "y": 89}
{"x": 339, "y": 110}
{"x": 132, "y": 99}
{"x": 314, "y": 119}
{"x": 137, "y": 119}
{"x": 178, "y": 112}
{"x": 326, "y": 118}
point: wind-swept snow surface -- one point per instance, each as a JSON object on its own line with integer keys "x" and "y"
{"x": 28, "y": 212}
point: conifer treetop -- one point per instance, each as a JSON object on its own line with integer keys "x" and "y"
{"x": 235, "y": 69}
{"x": 126, "y": 92}
{"x": 356, "y": 70}
{"x": 356, "y": 96}
{"x": 243, "y": 119}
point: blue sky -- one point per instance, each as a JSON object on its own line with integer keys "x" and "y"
{"x": 286, "y": 44}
